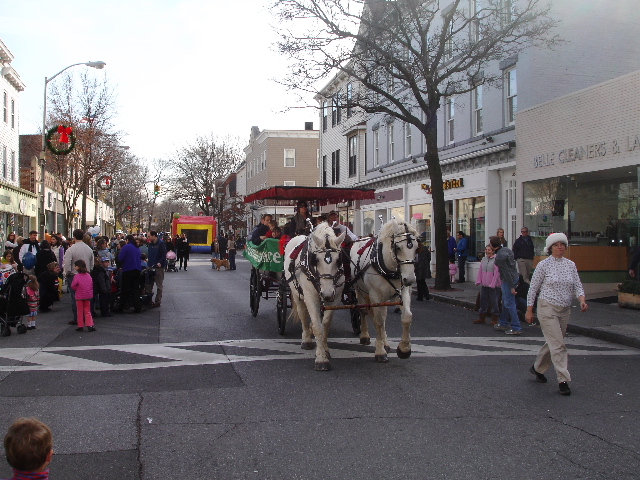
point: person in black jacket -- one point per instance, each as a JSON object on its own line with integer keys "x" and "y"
{"x": 102, "y": 285}
{"x": 523, "y": 252}
{"x": 48, "y": 281}
{"x": 184, "y": 248}
{"x": 44, "y": 257}
{"x": 261, "y": 230}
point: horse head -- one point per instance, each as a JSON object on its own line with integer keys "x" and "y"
{"x": 324, "y": 260}
{"x": 400, "y": 240}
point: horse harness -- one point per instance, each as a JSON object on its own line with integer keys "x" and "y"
{"x": 308, "y": 265}
{"x": 377, "y": 262}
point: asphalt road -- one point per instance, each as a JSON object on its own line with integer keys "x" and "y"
{"x": 201, "y": 389}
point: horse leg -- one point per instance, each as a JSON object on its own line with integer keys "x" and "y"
{"x": 326, "y": 326}
{"x": 379, "y": 319}
{"x": 322, "y": 360}
{"x": 404, "y": 347}
{"x": 365, "y": 339}
{"x": 303, "y": 314}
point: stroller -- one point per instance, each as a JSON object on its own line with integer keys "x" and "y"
{"x": 146, "y": 279}
{"x": 171, "y": 262}
{"x": 13, "y": 305}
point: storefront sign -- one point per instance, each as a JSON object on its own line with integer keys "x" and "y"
{"x": 446, "y": 185}
{"x": 593, "y": 150}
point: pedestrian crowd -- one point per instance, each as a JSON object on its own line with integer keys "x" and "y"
{"x": 106, "y": 274}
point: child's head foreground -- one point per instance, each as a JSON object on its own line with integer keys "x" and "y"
{"x": 28, "y": 445}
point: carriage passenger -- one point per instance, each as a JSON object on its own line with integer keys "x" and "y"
{"x": 298, "y": 223}
{"x": 261, "y": 230}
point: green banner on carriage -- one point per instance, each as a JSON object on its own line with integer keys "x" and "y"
{"x": 265, "y": 256}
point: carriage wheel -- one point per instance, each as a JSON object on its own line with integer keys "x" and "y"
{"x": 281, "y": 308}
{"x": 21, "y": 329}
{"x": 355, "y": 321}
{"x": 5, "y": 331}
{"x": 254, "y": 292}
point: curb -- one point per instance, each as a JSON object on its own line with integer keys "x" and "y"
{"x": 593, "y": 332}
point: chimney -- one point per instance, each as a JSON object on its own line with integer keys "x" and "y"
{"x": 308, "y": 125}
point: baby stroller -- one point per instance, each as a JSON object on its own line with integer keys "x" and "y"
{"x": 146, "y": 279}
{"x": 13, "y": 305}
{"x": 171, "y": 262}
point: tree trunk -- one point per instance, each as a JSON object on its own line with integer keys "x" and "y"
{"x": 438, "y": 207}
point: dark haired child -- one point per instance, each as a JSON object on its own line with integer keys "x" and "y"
{"x": 28, "y": 447}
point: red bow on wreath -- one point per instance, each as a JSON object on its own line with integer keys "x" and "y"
{"x": 64, "y": 133}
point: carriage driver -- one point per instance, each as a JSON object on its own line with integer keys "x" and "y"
{"x": 298, "y": 224}
{"x": 349, "y": 238}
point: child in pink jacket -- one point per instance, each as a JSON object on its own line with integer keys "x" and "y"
{"x": 83, "y": 286}
{"x": 489, "y": 279}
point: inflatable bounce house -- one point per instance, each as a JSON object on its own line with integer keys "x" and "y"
{"x": 200, "y": 231}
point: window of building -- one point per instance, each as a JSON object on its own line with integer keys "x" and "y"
{"x": 335, "y": 167}
{"x": 421, "y": 216}
{"x": 349, "y": 99}
{"x": 353, "y": 154}
{"x": 506, "y": 11}
{"x": 334, "y": 111}
{"x": 471, "y": 220}
{"x": 13, "y": 166}
{"x": 512, "y": 95}
{"x": 264, "y": 160}
{"x": 368, "y": 223}
{"x": 477, "y": 110}
{"x": 4, "y": 107}
{"x": 450, "y": 113}
{"x": 289, "y": 183}
{"x": 324, "y": 170}
{"x": 376, "y": 148}
{"x": 325, "y": 114}
{"x": 13, "y": 113}
{"x": 289, "y": 157}
{"x": 391, "y": 143}
{"x": 407, "y": 140}
{"x": 448, "y": 44}
{"x": 475, "y": 6}
{"x": 4, "y": 162}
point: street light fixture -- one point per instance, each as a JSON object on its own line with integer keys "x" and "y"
{"x": 41, "y": 205}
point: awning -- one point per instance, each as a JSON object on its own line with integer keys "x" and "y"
{"x": 322, "y": 195}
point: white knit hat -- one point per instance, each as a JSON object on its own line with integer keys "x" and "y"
{"x": 555, "y": 238}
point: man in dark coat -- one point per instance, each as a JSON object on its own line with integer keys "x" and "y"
{"x": 523, "y": 253}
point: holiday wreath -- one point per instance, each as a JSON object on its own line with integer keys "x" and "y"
{"x": 66, "y": 137}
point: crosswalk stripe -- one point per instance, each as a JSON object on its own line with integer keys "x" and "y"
{"x": 187, "y": 353}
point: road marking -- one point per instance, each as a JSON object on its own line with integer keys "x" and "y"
{"x": 195, "y": 353}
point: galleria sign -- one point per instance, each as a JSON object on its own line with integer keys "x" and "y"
{"x": 446, "y": 185}
{"x": 594, "y": 150}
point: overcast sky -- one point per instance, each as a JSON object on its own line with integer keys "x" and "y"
{"x": 180, "y": 68}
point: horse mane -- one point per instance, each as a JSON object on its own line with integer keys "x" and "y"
{"x": 320, "y": 233}
{"x": 393, "y": 227}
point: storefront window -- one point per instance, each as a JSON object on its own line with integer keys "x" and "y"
{"x": 398, "y": 212}
{"x": 421, "y": 218}
{"x": 594, "y": 209}
{"x": 471, "y": 221}
{"x": 368, "y": 223}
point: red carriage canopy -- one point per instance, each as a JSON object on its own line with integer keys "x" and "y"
{"x": 322, "y": 195}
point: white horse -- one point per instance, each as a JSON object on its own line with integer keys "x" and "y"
{"x": 383, "y": 268}
{"x": 313, "y": 269}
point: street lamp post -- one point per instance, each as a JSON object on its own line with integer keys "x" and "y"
{"x": 41, "y": 204}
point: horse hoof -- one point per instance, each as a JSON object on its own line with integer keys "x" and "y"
{"x": 387, "y": 348}
{"x": 365, "y": 341}
{"x": 307, "y": 345}
{"x": 382, "y": 359}
{"x": 402, "y": 354}
{"x": 323, "y": 366}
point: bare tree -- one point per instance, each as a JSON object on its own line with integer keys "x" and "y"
{"x": 196, "y": 168}
{"x": 129, "y": 194}
{"x": 406, "y": 55}
{"x": 88, "y": 107}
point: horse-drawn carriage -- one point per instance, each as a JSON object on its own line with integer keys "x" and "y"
{"x": 310, "y": 279}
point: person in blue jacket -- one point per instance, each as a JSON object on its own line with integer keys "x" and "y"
{"x": 462, "y": 251}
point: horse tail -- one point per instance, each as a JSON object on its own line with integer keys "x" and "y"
{"x": 293, "y": 316}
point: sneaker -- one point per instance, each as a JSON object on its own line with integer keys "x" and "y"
{"x": 501, "y": 328}
{"x": 539, "y": 376}
{"x": 511, "y": 331}
{"x": 563, "y": 388}
{"x": 91, "y": 329}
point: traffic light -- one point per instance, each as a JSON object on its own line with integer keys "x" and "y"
{"x": 156, "y": 189}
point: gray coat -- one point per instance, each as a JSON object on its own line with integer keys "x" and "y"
{"x": 507, "y": 265}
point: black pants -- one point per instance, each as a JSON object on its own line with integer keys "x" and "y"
{"x": 183, "y": 259}
{"x": 423, "y": 289}
{"x": 131, "y": 290}
{"x": 461, "y": 264}
{"x": 232, "y": 259}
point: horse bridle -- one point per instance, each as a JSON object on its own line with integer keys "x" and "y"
{"x": 378, "y": 261}
{"x": 308, "y": 266}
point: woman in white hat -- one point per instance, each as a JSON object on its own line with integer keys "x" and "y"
{"x": 556, "y": 279}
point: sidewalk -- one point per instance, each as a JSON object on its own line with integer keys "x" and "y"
{"x": 604, "y": 321}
